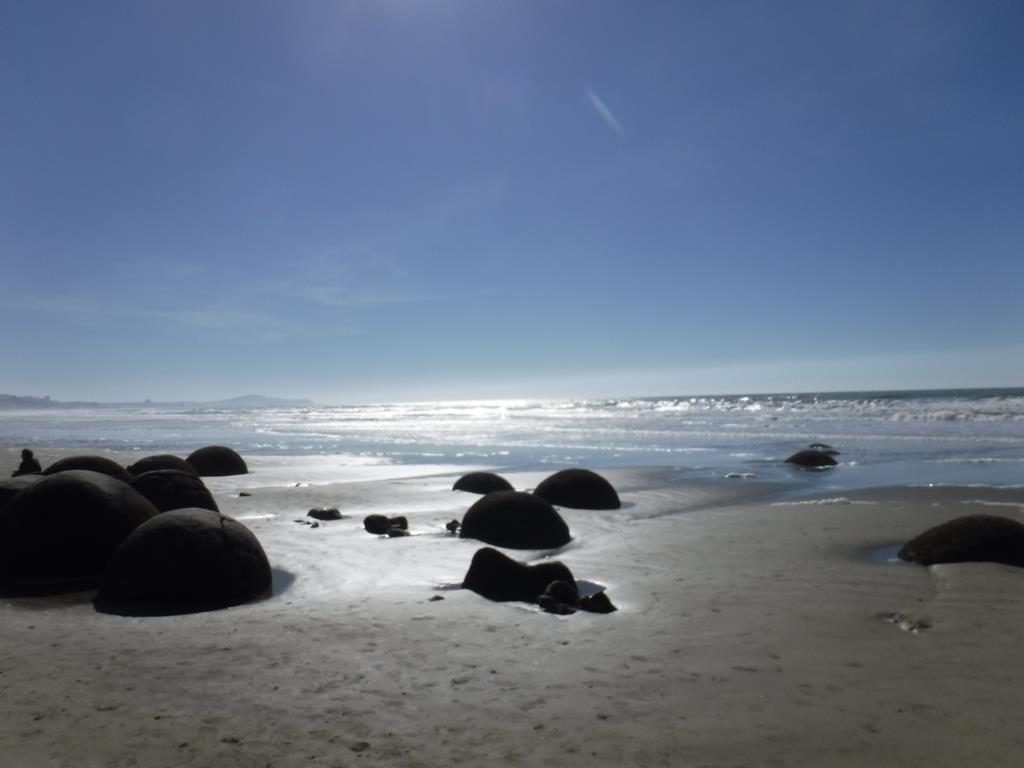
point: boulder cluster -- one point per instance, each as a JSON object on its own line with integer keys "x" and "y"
{"x": 148, "y": 537}
{"x": 512, "y": 519}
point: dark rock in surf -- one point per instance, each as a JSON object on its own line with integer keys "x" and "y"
{"x": 812, "y": 459}
{"x": 452, "y": 526}
{"x": 578, "y": 489}
{"x": 482, "y": 482}
{"x": 969, "y": 539}
{"x": 185, "y": 561}
{"x": 515, "y": 519}
{"x": 324, "y": 513}
{"x": 160, "y": 461}
{"x": 170, "y": 489}
{"x": 498, "y": 577}
{"x": 58, "y": 534}
{"x": 824, "y": 448}
{"x": 100, "y": 464}
{"x": 217, "y": 461}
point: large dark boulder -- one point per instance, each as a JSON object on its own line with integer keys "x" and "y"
{"x": 496, "y": 576}
{"x": 969, "y": 539}
{"x": 811, "y": 458}
{"x": 184, "y": 561}
{"x": 482, "y": 482}
{"x": 170, "y": 489}
{"x": 160, "y": 461}
{"x": 100, "y": 464}
{"x": 578, "y": 489}
{"x": 58, "y": 534}
{"x": 217, "y": 461}
{"x": 11, "y": 488}
{"x": 515, "y": 519}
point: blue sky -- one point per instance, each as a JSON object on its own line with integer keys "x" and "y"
{"x": 359, "y": 201}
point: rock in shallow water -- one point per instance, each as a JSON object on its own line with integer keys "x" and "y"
{"x": 496, "y": 576}
{"x": 813, "y": 459}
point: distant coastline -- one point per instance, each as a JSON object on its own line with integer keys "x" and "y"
{"x": 33, "y": 403}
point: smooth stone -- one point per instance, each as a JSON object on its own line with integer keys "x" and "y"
{"x": 578, "y": 489}
{"x": 482, "y": 482}
{"x": 100, "y": 464}
{"x": 515, "y": 519}
{"x": 171, "y": 489}
{"x": 498, "y": 577}
{"x": 59, "y": 534}
{"x": 160, "y": 461}
{"x": 185, "y": 561}
{"x": 968, "y": 539}
{"x": 324, "y": 513}
{"x": 217, "y": 461}
{"x": 812, "y": 459}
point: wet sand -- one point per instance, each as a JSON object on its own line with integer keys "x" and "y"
{"x": 750, "y": 632}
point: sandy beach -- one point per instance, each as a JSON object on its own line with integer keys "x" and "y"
{"x": 752, "y": 630}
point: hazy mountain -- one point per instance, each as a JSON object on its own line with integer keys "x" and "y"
{"x": 29, "y": 402}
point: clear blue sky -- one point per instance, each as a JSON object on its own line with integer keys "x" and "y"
{"x": 374, "y": 200}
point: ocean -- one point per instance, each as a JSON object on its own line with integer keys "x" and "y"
{"x": 884, "y": 438}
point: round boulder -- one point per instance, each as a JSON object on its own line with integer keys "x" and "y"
{"x": 217, "y": 461}
{"x": 58, "y": 534}
{"x": 812, "y": 459}
{"x": 324, "y": 513}
{"x": 496, "y": 576}
{"x": 969, "y": 539}
{"x": 100, "y": 464}
{"x": 170, "y": 489}
{"x": 482, "y": 482}
{"x": 184, "y": 561}
{"x": 578, "y": 489}
{"x": 161, "y": 461}
{"x": 11, "y": 488}
{"x": 517, "y": 520}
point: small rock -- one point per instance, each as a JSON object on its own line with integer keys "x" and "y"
{"x": 435, "y": 598}
{"x": 324, "y": 513}
{"x": 453, "y": 526}
{"x": 360, "y": 746}
{"x": 242, "y": 494}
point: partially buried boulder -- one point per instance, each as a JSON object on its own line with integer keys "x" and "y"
{"x": 973, "y": 538}
{"x": 324, "y": 513}
{"x": 170, "y": 489}
{"x": 496, "y": 576}
{"x": 58, "y": 534}
{"x": 100, "y": 464}
{"x": 217, "y": 461}
{"x": 812, "y": 459}
{"x": 184, "y": 561}
{"x": 391, "y": 526}
{"x": 482, "y": 482}
{"x": 515, "y": 519}
{"x": 160, "y": 461}
{"x": 578, "y": 489}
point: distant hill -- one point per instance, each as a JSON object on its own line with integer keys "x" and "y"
{"x": 32, "y": 403}
{"x": 259, "y": 401}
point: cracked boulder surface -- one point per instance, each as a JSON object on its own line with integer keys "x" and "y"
{"x": 185, "y": 561}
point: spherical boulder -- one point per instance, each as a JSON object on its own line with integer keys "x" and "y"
{"x": 58, "y": 534}
{"x": 170, "y": 489}
{"x": 184, "y": 561}
{"x": 100, "y": 464}
{"x": 11, "y": 488}
{"x": 969, "y": 539}
{"x": 578, "y": 489}
{"x": 498, "y": 577}
{"x": 482, "y": 482}
{"x": 812, "y": 459}
{"x": 217, "y": 461}
{"x": 160, "y": 461}
{"x": 515, "y": 519}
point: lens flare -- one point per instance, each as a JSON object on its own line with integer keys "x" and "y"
{"x": 606, "y": 114}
